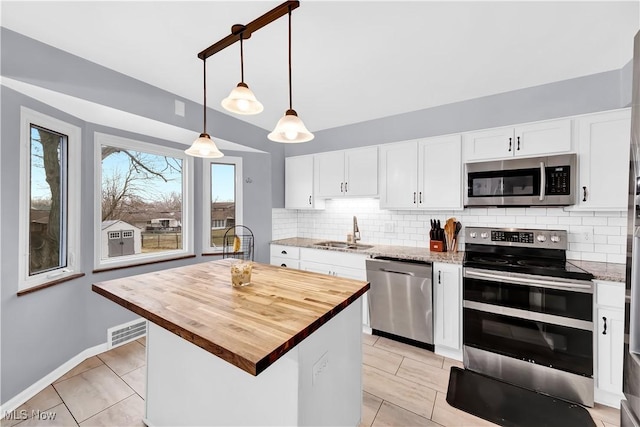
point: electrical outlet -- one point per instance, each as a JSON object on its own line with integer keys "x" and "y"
{"x": 389, "y": 227}
{"x": 319, "y": 367}
{"x": 587, "y": 237}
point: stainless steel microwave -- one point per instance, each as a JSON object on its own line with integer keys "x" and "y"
{"x": 537, "y": 181}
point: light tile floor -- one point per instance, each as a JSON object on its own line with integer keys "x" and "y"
{"x": 403, "y": 386}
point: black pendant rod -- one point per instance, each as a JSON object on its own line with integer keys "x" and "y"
{"x": 241, "y": 61}
{"x": 204, "y": 112}
{"x": 245, "y": 31}
{"x": 290, "y": 97}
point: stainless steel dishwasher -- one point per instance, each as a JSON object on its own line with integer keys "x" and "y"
{"x": 401, "y": 300}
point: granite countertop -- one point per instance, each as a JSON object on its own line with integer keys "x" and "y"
{"x": 404, "y": 252}
{"x": 600, "y": 270}
{"x": 250, "y": 327}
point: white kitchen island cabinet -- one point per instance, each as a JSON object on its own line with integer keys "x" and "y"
{"x": 284, "y": 350}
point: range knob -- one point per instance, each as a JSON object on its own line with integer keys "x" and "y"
{"x": 541, "y": 238}
{"x": 484, "y": 235}
{"x": 473, "y": 234}
{"x": 555, "y": 238}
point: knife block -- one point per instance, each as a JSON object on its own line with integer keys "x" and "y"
{"x": 437, "y": 246}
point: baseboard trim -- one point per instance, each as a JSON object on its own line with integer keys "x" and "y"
{"x": 15, "y": 402}
{"x": 449, "y": 352}
{"x": 607, "y": 398}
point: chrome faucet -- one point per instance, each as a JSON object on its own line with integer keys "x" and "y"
{"x": 356, "y": 230}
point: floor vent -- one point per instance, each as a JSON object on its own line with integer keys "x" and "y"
{"x": 127, "y": 332}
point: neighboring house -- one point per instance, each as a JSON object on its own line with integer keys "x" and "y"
{"x": 223, "y": 215}
{"x": 164, "y": 224}
{"x": 120, "y": 238}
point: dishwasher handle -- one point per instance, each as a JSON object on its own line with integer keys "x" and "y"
{"x": 406, "y": 273}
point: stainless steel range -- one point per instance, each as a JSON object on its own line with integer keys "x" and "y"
{"x": 528, "y": 313}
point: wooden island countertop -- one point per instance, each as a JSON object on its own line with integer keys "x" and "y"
{"x": 250, "y": 327}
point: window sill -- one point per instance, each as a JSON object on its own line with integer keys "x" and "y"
{"x": 49, "y": 284}
{"x": 157, "y": 261}
{"x": 212, "y": 254}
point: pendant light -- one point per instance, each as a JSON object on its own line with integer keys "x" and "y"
{"x": 290, "y": 128}
{"x": 241, "y": 100}
{"x": 204, "y": 145}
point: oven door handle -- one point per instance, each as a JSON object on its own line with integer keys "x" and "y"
{"x": 543, "y": 181}
{"x": 529, "y": 315}
{"x": 571, "y": 286}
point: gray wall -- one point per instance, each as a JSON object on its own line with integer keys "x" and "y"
{"x": 597, "y": 92}
{"x": 42, "y": 330}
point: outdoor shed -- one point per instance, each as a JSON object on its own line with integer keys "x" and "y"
{"x": 120, "y": 238}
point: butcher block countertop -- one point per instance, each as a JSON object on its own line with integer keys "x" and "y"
{"x": 250, "y": 327}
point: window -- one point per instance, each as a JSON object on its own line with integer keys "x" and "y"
{"x": 142, "y": 202}
{"x": 49, "y": 192}
{"x": 223, "y": 194}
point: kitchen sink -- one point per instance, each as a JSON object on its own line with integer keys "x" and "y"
{"x": 342, "y": 245}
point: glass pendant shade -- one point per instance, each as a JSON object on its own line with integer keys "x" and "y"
{"x": 290, "y": 129}
{"x": 204, "y": 147}
{"x": 241, "y": 100}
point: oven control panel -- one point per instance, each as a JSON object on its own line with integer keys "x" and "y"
{"x": 512, "y": 236}
{"x": 556, "y": 239}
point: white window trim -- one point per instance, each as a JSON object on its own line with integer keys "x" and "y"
{"x": 74, "y": 144}
{"x": 187, "y": 201}
{"x": 206, "y": 226}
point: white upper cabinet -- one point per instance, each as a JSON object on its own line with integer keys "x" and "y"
{"x": 298, "y": 181}
{"x": 440, "y": 173}
{"x": 603, "y": 159}
{"x": 534, "y": 139}
{"x": 399, "y": 175}
{"x": 425, "y": 174}
{"x": 347, "y": 173}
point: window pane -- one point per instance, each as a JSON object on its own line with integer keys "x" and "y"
{"x": 48, "y": 194}
{"x": 141, "y": 203}
{"x": 223, "y": 200}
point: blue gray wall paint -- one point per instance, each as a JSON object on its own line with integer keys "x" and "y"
{"x": 597, "y": 92}
{"x": 42, "y": 330}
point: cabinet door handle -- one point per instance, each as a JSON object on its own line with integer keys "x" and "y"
{"x": 510, "y": 144}
{"x": 584, "y": 194}
{"x": 421, "y": 197}
{"x": 283, "y": 252}
{"x": 283, "y": 265}
{"x": 342, "y": 187}
{"x": 604, "y": 330}
{"x": 518, "y": 149}
{"x": 439, "y": 277}
{"x": 414, "y": 197}
{"x": 345, "y": 187}
{"x": 309, "y": 199}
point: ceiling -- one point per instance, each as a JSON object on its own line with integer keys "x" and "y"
{"x": 352, "y": 60}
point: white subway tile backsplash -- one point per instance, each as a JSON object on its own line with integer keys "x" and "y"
{"x": 616, "y": 221}
{"x": 593, "y": 236}
{"x": 596, "y": 220}
{"x": 617, "y": 258}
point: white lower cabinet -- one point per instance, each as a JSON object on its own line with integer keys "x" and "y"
{"x": 340, "y": 264}
{"x": 333, "y": 263}
{"x": 447, "y": 288}
{"x": 609, "y": 341}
